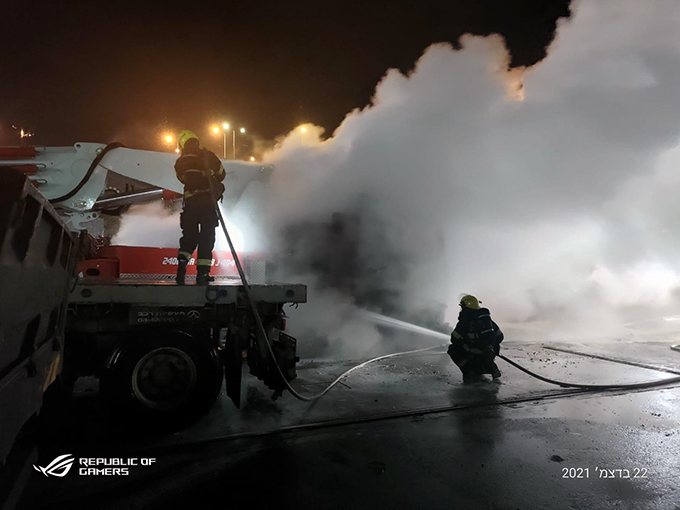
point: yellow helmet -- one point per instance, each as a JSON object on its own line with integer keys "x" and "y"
{"x": 469, "y": 301}
{"x": 184, "y": 136}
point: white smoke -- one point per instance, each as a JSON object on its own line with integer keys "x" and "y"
{"x": 550, "y": 192}
{"x": 157, "y": 225}
{"x": 148, "y": 225}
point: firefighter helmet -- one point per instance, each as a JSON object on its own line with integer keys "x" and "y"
{"x": 184, "y": 136}
{"x": 469, "y": 301}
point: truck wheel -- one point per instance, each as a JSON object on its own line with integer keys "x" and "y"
{"x": 168, "y": 380}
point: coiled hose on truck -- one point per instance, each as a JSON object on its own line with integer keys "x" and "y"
{"x": 261, "y": 331}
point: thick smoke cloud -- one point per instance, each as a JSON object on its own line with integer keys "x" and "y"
{"x": 549, "y": 192}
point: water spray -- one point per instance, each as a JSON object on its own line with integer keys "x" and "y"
{"x": 397, "y": 324}
{"x": 389, "y": 321}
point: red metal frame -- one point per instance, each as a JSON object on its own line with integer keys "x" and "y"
{"x": 113, "y": 262}
{"x": 25, "y": 169}
{"x": 171, "y": 195}
{"x": 17, "y": 152}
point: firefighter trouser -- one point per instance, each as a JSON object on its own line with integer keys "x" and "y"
{"x": 198, "y": 221}
{"x": 471, "y": 362}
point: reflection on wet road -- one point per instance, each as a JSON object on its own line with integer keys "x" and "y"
{"x": 405, "y": 433}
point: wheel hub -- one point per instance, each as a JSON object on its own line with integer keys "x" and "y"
{"x": 164, "y": 378}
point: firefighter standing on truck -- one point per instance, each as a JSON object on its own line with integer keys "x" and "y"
{"x": 198, "y": 220}
{"x": 475, "y": 341}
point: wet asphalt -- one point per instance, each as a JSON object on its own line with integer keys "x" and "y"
{"x": 402, "y": 433}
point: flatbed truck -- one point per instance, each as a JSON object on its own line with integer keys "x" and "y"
{"x": 161, "y": 351}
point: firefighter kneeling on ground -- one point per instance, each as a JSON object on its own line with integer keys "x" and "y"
{"x": 475, "y": 341}
{"x": 198, "y": 220}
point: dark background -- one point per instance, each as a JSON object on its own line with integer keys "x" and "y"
{"x": 106, "y": 71}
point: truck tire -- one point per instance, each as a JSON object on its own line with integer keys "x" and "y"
{"x": 163, "y": 380}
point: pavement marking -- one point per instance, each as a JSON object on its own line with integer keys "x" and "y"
{"x": 613, "y": 360}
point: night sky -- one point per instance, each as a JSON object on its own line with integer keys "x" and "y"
{"x": 104, "y": 71}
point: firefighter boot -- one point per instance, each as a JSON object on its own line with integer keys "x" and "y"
{"x": 181, "y": 271}
{"x": 203, "y": 275}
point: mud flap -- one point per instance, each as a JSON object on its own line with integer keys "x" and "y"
{"x": 285, "y": 351}
{"x": 233, "y": 362}
{"x": 264, "y": 367}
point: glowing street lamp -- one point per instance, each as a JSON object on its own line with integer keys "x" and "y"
{"x": 168, "y": 138}
{"x": 252, "y": 158}
{"x": 23, "y": 133}
{"x": 303, "y": 129}
{"x": 233, "y": 141}
{"x": 216, "y": 130}
{"x": 225, "y": 128}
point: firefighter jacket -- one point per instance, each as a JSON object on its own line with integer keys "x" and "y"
{"x": 193, "y": 169}
{"x": 476, "y": 331}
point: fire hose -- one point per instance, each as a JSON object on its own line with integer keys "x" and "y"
{"x": 594, "y": 387}
{"x": 260, "y": 330}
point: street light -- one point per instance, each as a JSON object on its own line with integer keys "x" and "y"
{"x": 225, "y": 128}
{"x": 303, "y": 129}
{"x": 233, "y": 141}
{"x": 168, "y": 138}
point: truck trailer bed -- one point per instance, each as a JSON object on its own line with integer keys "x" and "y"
{"x": 160, "y": 292}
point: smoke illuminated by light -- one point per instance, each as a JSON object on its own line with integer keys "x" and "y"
{"x": 515, "y": 84}
{"x": 539, "y": 190}
{"x": 154, "y": 225}
{"x": 237, "y": 237}
{"x": 549, "y": 192}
